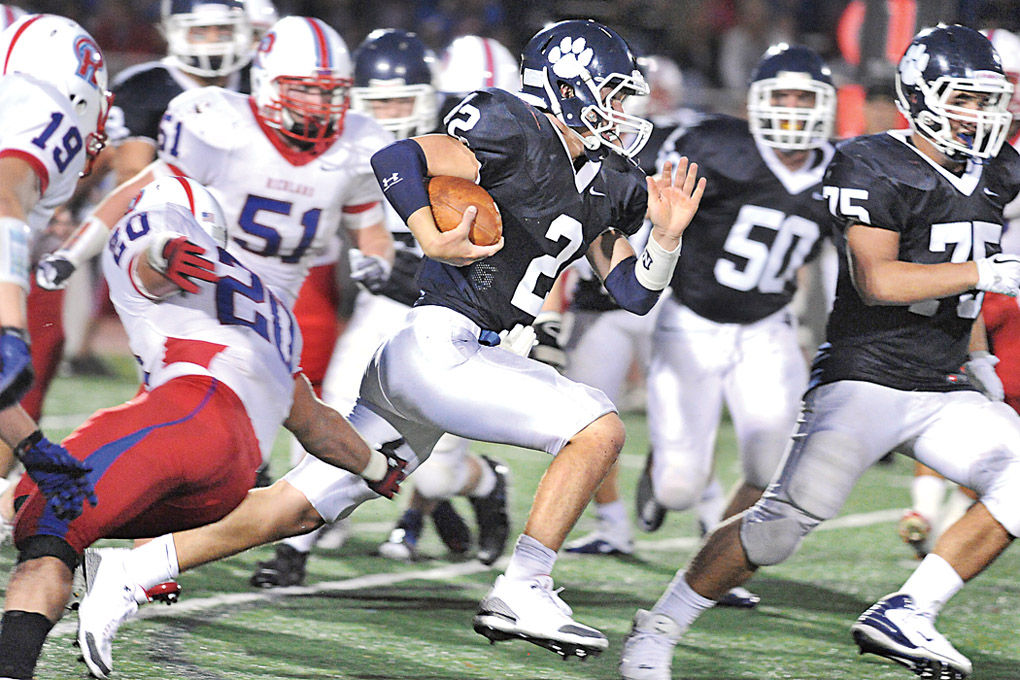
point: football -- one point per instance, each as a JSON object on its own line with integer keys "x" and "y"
{"x": 451, "y": 196}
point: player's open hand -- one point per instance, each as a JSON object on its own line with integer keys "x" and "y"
{"x": 673, "y": 198}
{"x": 455, "y": 246}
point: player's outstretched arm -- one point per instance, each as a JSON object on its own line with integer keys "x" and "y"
{"x": 401, "y": 169}
{"x": 327, "y": 435}
{"x": 88, "y": 240}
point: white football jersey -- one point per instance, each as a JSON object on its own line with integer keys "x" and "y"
{"x": 38, "y": 126}
{"x": 236, "y": 330}
{"x": 283, "y": 207}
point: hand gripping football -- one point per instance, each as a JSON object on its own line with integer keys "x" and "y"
{"x": 451, "y": 196}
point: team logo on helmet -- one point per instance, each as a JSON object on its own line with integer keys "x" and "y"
{"x": 913, "y": 63}
{"x": 90, "y": 60}
{"x": 571, "y": 57}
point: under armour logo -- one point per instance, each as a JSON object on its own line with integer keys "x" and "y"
{"x": 90, "y": 59}
{"x": 395, "y": 178}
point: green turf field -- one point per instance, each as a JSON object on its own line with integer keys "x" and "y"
{"x": 362, "y": 617}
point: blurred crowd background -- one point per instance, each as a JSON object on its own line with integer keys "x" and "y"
{"x": 716, "y": 42}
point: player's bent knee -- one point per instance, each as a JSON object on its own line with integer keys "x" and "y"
{"x": 35, "y": 547}
{"x": 283, "y": 511}
{"x": 678, "y": 489}
{"x": 441, "y": 477}
{"x": 999, "y": 478}
{"x": 608, "y": 430}
{"x": 771, "y": 531}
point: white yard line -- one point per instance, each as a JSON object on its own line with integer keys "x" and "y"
{"x": 187, "y": 605}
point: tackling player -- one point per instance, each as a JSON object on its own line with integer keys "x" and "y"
{"x": 555, "y": 163}
{"x": 219, "y": 350}
{"x": 919, "y": 212}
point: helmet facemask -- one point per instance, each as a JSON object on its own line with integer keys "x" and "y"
{"x": 307, "y": 110}
{"x": 421, "y": 106}
{"x": 187, "y": 35}
{"x": 986, "y": 127}
{"x": 791, "y": 128}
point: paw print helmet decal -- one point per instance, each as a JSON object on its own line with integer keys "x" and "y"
{"x": 940, "y": 65}
{"x": 581, "y": 71}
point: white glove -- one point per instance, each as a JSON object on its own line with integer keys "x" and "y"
{"x": 54, "y": 270}
{"x": 518, "y": 340}
{"x": 981, "y": 371}
{"x": 370, "y": 271}
{"x": 999, "y": 274}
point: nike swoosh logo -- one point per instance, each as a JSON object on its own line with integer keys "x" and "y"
{"x": 990, "y": 193}
{"x": 595, "y": 193}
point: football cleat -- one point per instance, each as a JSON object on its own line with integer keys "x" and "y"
{"x": 530, "y": 610}
{"x": 493, "y": 516}
{"x": 915, "y": 531}
{"x": 452, "y": 528}
{"x": 601, "y": 542}
{"x": 167, "y": 592}
{"x": 110, "y": 599}
{"x": 739, "y": 598}
{"x": 402, "y": 543}
{"x": 650, "y": 514}
{"x": 648, "y": 649}
{"x": 287, "y": 568}
{"x": 894, "y": 629}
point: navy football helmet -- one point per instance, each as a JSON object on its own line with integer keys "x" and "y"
{"x": 396, "y": 65}
{"x": 599, "y": 68}
{"x": 941, "y": 63}
{"x": 791, "y": 67}
{"x": 182, "y": 19}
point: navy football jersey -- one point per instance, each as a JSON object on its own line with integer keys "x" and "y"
{"x": 142, "y": 92}
{"x": 883, "y": 181}
{"x": 757, "y": 224}
{"x": 551, "y": 211}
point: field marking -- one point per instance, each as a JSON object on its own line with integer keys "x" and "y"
{"x": 435, "y": 574}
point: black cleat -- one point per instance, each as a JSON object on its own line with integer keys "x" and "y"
{"x": 452, "y": 528}
{"x": 492, "y": 514}
{"x": 287, "y": 568}
{"x": 649, "y": 513}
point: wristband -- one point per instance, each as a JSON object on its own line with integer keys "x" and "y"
{"x": 376, "y": 467}
{"x": 86, "y": 242}
{"x": 401, "y": 168}
{"x": 14, "y": 255}
{"x": 629, "y": 293}
{"x": 27, "y": 443}
{"x": 654, "y": 268}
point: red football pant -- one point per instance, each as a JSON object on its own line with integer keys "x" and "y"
{"x": 316, "y": 313}
{"x": 180, "y": 456}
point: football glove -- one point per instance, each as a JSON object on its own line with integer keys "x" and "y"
{"x": 999, "y": 274}
{"x": 61, "y": 478}
{"x": 369, "y": 271}
{"x": 54, "y": 270}
{"x": 389, "y": 483}
{"x": 518, "y": 340}
{"x": 981, "y": 371}
{"x": 16, "y": 372}
{"x": 181, "y": 261}
{"x": 548, "y": 349}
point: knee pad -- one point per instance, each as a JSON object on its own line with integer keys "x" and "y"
{"x": 996, "y": 479}
{"x": 38, "y": 546}
{"x": 678, "y": 490}
{"x": 771, "y": 531}
{"x": 442, "y": 476}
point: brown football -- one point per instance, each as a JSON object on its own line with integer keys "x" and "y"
{"x": 450, "y": 197}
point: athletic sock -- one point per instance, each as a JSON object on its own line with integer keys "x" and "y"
{"x": 931, "y": 585}
{"x": 21, "y": 639}
{"x": 530, "y": 559}
{"x": 681, "y": 603}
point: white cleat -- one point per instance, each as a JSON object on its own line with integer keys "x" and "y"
{"x": 894, "y": 629}
{"x": 109, "y": 601}
{"x": 530, "y": 610}
{"x": 648, "y": 649}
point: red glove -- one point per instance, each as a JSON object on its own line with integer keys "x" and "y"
{"x": 181, "y": 260}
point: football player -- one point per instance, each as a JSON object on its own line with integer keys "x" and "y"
{"x": 555, "y": 164}
{"x": 54, "y": 100}
{"x": 727, "y": 334}
{"x": 471, "y": 62}
{"x": 919, "y": 213}
{"x": 219, "y": 351}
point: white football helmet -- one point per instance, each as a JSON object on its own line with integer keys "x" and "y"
{"x": 190, "y": 195}
{"x": 665, "y": 88}
{"x": 471, "y": 63}
{"x": 182, "y": 24}
{"x": 9, "y": 14}
{"x": 262, "y": 15}
{"x": 59, "y": 52}
{"x": 1008, "y": 46}
{"x": 299, "y": 54}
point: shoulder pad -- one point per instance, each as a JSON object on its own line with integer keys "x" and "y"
{"x": 213, "y": 115}
{"x": 888, "y": 159}
{"x": 720, "y": 145}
